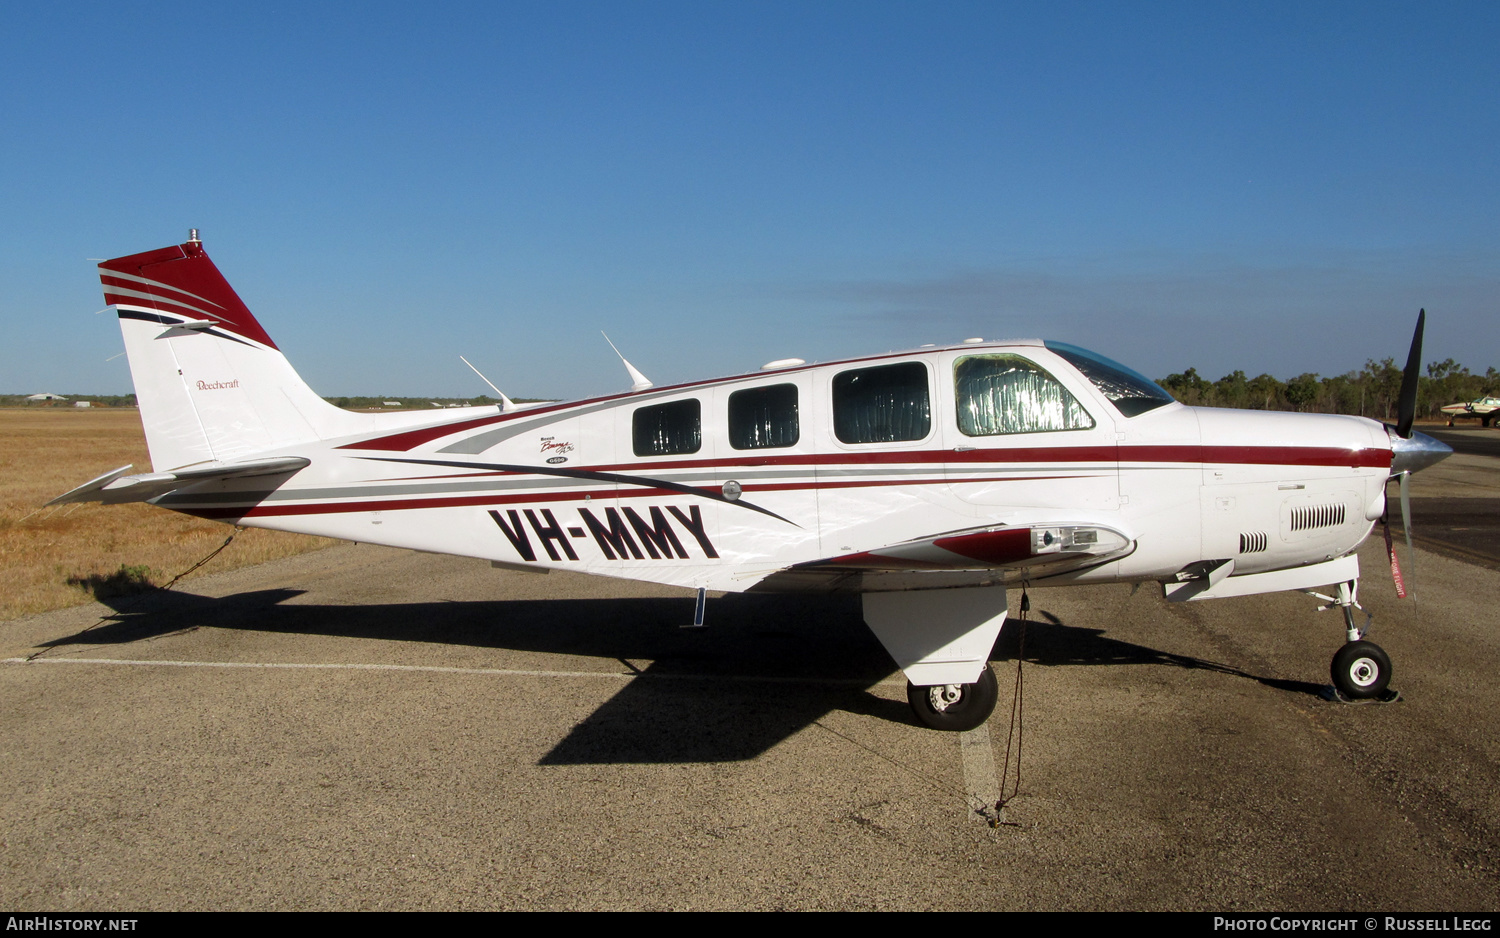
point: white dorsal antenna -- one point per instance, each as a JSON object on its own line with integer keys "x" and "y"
{"x": 506, "y": 404}
{"x": 639, "y": 382}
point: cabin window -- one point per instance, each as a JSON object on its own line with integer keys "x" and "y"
{"x": 668, "y": 429}
{"x": 1008, "y": 394}
{"x": 764, "y": 418}
{"x": 885, "y": 404}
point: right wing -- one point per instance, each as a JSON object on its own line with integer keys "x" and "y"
{"x": 969, "y": 557}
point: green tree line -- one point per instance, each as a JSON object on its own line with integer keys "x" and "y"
{"x": 1373, "y": 391}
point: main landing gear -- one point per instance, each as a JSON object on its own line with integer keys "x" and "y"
{"x": 942, "y": 638}
{"x": 1360, "y": 670}
{"x": 955, "y": 707}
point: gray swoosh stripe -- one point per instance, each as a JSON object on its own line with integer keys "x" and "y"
{"x": 531, "y": 484}
{"x": 370, "y": 491}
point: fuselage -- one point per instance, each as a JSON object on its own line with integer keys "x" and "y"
{"x": 729, "y": 483}
{"x": 916, "y": 478}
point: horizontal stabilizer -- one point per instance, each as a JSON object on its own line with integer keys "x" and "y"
{"x": 115, "y": 487}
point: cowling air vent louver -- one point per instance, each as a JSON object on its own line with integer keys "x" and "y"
{"x": 1308, "y": 517}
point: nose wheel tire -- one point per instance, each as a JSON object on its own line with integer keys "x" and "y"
{"x": 955, "y": 707}
{"x": 1361, "y": 670}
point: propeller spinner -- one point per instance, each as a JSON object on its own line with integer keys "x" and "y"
{"x": 1411, "y": 451}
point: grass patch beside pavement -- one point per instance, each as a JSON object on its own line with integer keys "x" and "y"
{"x": 69, "y": 554}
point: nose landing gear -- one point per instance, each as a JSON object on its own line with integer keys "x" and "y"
{"x": 1360, "y": 670}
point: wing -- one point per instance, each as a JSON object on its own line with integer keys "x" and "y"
{"x": 117, "y": 487}
{"x": 970, "y": 557}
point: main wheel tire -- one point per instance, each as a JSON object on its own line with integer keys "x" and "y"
{"x": 955, "y": 707}
{"x": 1361, "y": 670}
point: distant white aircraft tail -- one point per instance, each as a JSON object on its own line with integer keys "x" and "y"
{"x": 211, "y": 385}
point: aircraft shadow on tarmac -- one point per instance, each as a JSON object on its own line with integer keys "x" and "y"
{"x": 1050, "y": 642}
{"x": 764, "y": 668}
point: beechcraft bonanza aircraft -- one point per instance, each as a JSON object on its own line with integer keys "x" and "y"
{"x": 926, "y": 480}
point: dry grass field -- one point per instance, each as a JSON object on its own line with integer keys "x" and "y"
{"x": 57, "y": 557}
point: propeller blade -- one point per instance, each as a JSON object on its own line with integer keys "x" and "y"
{"x": 1411, "y": 554}
{"x": 1408, "y": 409}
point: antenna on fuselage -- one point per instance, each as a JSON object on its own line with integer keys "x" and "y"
{"x": 506, "y": 404}
{"x": 639, "y": 382}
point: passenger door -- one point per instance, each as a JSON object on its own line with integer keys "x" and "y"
{"x": 1020, "y": 436}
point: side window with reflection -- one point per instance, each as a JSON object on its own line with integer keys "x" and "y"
{"x": 1009, "y": 394}
{"x": 884, "y": 404}
{"x": 668, "y": 429}
{"x": 764, "y": 418}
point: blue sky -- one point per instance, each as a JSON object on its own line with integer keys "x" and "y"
{"x": 1259, "y": 186}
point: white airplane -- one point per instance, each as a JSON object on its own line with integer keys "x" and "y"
{"x": 1485, "y": 408}
{"x": 926, "y": 480}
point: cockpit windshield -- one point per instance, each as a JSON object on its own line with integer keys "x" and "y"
{"x": 1131, "y": 392}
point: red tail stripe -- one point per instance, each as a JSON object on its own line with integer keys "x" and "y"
{"x": 186, "y": 270}
{"x": 129, "y": 288}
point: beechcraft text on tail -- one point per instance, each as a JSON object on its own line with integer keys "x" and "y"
{"x": 925, "y": 480}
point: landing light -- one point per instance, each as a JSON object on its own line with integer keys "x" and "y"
{"x": 1053, "y": 540}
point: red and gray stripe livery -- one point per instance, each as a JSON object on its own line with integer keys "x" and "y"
{"x": 925, "y": 527}
{"x": 180, "y": 280}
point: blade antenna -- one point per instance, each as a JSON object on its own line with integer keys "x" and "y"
{"x": 506, "y": 404}
{"x": 639, "y": 382}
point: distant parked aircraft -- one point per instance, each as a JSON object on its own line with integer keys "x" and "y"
{"x": 1484, "y": 408}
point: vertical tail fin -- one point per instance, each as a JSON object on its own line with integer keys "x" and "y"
{"x": 211, "y": 384}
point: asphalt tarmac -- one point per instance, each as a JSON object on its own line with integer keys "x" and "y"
{"x": 1473, "y": 439}
{"x": 1456, "y": 505}
{"x": 365, "y": 728}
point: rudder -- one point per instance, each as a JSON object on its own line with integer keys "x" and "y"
{"x": 211, "y": 384}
